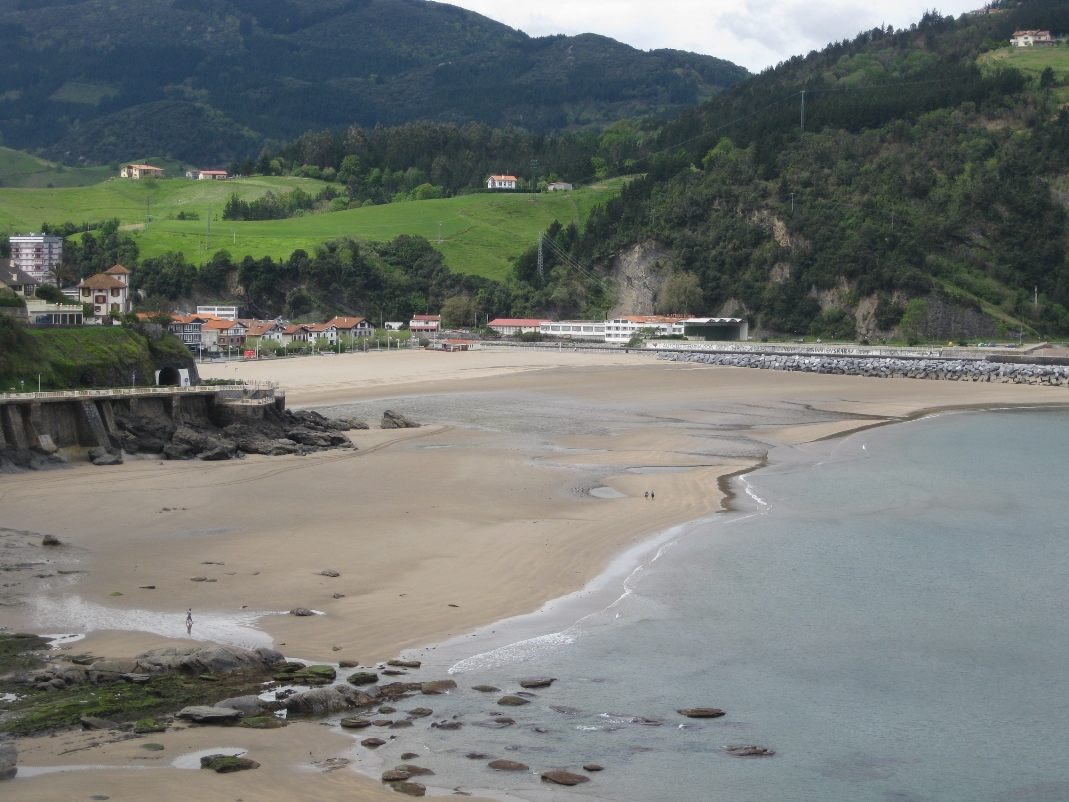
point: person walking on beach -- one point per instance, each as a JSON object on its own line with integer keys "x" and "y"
{"x": 647, "y": 494}
{"x": 189, "y": 621}
{"x": 652, "y": 495}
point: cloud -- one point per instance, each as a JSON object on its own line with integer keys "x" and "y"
{"x": 753, "y": 33}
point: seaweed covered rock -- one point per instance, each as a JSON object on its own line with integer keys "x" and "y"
{"x": 224, "y": 764}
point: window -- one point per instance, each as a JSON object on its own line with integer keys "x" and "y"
{"x": 86, "y": 293}
{"x": 114, "y": 292}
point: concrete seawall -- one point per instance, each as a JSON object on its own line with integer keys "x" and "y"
{"x": 39, "y": 430}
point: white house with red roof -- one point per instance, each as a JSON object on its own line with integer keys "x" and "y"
{"x": 425, "y": 324}
{"x": 509, "y": 326}
{"x": 501, "y": 182}
{"x": 1031, "y": 38}
{"x": 353, "y": 327}
{"x": 107, "y": 292}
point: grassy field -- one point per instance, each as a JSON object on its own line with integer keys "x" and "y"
{"x": 1029, "y": 60}
{"x": 21, "y": 170}
{"x": 480, "y": 234}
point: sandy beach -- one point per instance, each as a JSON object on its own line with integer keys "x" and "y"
{"x": 528, "y": 476}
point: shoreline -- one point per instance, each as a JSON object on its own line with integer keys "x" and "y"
{"x": 830, "y": 418}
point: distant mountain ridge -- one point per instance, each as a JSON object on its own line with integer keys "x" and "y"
{"x": 77, "y": 76}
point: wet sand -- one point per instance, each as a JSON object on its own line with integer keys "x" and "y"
{"x": 488, "y": 508}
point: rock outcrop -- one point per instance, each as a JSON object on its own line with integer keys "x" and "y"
{"x": 701, "y": 712}
{"x": 395, "y": 420}
{"x": 276, "y": 434}
{"x": 324, "y": 701}
{"x": 564, "y": 778}
{"x": 9, "y": 757}
{"x": 207, "y": 714}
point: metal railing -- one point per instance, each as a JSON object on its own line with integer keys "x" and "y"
{"x": 133, "y": 392}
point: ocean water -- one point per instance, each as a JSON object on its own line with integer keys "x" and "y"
{"x": 893, "y": 621}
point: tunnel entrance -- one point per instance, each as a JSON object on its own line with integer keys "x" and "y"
{"x": 169, "y": 377}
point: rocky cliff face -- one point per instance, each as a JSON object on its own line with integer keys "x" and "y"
{"x": 639, "y": 272}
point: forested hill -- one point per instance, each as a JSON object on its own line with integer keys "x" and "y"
{"x": 925, "y": 197}
{"x": 206, "y": 81}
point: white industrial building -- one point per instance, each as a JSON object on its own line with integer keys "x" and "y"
{"x": 574, "y": 329}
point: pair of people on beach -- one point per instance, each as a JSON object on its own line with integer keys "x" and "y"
{"x": 649, "y": 494}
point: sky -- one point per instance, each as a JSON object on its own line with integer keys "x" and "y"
{"x": 753, "y": 33}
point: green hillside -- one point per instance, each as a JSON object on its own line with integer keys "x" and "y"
{"x": 210, "y": 80}
{"x": 18, "y": 169}
{"x": 482, "y": 234}
{"x": 925, "y": 198}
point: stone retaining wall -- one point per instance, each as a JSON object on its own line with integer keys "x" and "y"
{"x": 889, "y": 368}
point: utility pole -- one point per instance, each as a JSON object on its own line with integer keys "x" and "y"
{"x": 1036, "y": 304}
{"x": 148, "y": 215}
{"x": 208, "y": 247}
{"x": 534, "y": 176}
{"x": 792, "y": 201}
{"x": 541, "y": 264}
{"x": 439, "y": 232}
{"x": 803, "y": 111}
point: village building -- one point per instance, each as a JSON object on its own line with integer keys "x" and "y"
{"x": 559, "y": 186}
{"x": 17, "y": 281}
{"x": 716, "y": 328}
{"x": 140, "y": 171}
{"x": 262, "y": 330}
{"x": 501, "y": 182}
{"x": 574, "y": 329}
{"x": 393, "y": 325}
{"x": 353, "y": 327}
{"x": 1031, "y": 38}
{"x": 510, "y": 326}
{"x": 108, "y": 292}
{"x": 36, "y": 255}
{"x": 222, "y": 312}
{"x": 212, "y": 175}
{"x": 294, "y": 333}
{"x": 324, "y": 331}
{"x": 624, "y": 329}
{"x": 220, "y": 334}
{"x": 188, "y": 328}
{"x": 51, "y": 314}
{"x": 425, "y": 324}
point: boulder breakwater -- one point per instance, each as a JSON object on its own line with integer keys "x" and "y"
{"x": 973, "y": 370}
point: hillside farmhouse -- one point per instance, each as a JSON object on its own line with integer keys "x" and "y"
{"x": 501, "y": 182}
{"x": 140, "y": 171}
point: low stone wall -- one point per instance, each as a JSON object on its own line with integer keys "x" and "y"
{"x": 889, "y": 368}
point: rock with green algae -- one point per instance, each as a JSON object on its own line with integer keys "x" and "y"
{"x": 512, "y": 701}
{"x": 147, "y": 725}
{"x": 224, "y": 764}
{"x": 307, "y": 675}
{"x": 153, "y": 747}
{"x": 363, "y": 678}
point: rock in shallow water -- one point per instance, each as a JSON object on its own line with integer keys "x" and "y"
{"x": 701, "y": 712}
{"x": 410, "y": 789}
{"x": 395, "y": 775}
{"x": 412, "y": 769}
{"x": 355, "y": 723}
{"x": 395, "y": 420}
{"x": 485, "y": 688}
{"x": 507, "y": 765}
{"x": 749, "y": 751}
{"x": 303, "y": 612}
{"x": 564, "y": 778}
{"x": 537, "y": 682}
{"x": 513, "y": 701}
{"x": 372, "y": 743}
{"x": 438, "y": 686}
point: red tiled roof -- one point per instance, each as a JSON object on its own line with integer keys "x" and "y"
{"x": 221, "y": 325}
{"x": 347, "y": 322}
{"x": 503, "y": 177}
{"x": 101, "y": 281}
{"x": 116, "y": 270}
{"x": 427, "y": 317}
